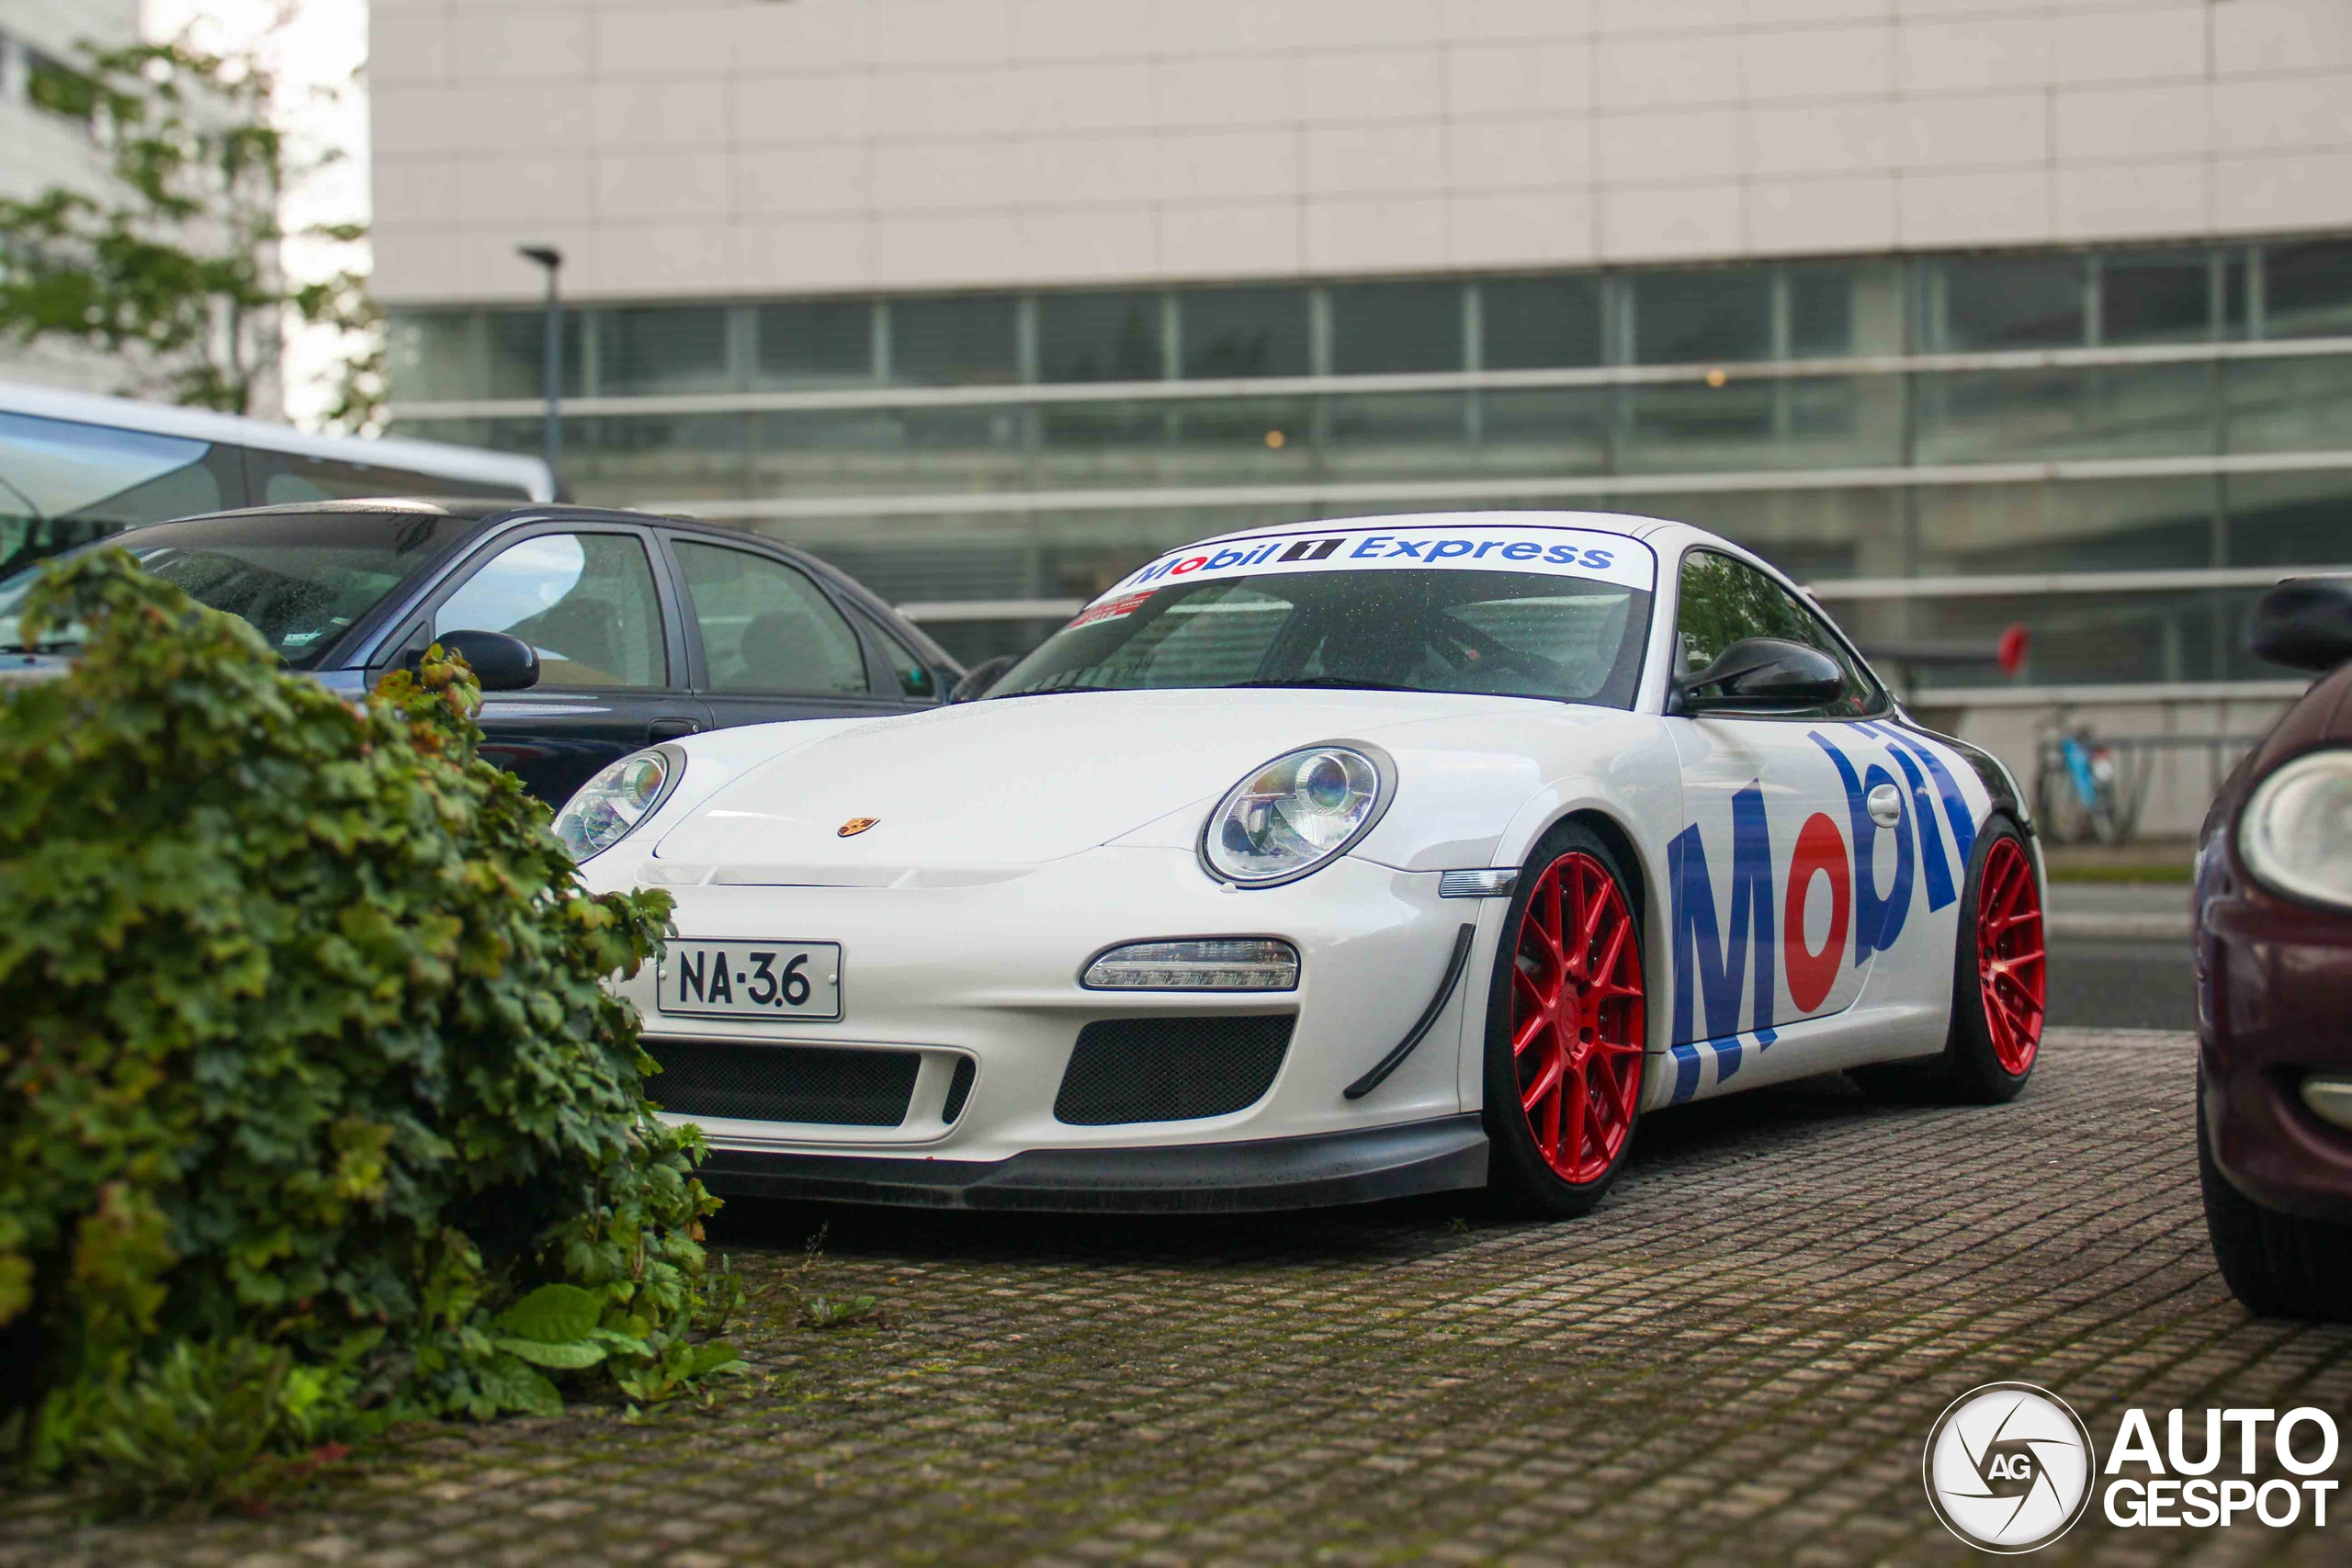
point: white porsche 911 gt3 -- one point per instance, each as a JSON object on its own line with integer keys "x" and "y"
{"x": 1326, "y": 864}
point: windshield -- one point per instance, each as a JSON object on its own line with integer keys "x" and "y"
{"x": 301, "y": 580}
{"x": 1492, "y": 633}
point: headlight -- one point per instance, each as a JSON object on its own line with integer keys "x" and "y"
{"x": 1294, "y": 813}
{"x": 608, "y": 808}
{"x": 2295, "y": 833}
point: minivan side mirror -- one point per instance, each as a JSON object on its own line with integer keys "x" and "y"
{"x": 1761, "y": 675}
{"x": 2305, "y": 622}
{"x": 500, "y": 663}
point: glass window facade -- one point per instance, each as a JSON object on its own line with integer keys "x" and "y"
{"x": 1101, "y": 337}
{"x": 1245, "y": 331}
{"x": 2001, "y": 303}
{"x": 1393, "y": 328}
{"x": 1682, "y": 318}
{"x": 1539, "y": 323}
{"x": 806, "y": 343}
{"x": 956, "y": 339}
{"x": 1707, "y": 393}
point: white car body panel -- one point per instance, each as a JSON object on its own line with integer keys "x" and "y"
{"x": 1019, "y": 837}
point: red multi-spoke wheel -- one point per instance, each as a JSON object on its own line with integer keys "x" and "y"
{"x": 2009, "y": 970}
{"x": 1576, "y": 1017}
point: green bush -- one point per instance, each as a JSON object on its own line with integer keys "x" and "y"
{"x": 316, "y": 1113}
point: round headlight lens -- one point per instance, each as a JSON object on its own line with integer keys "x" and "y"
{"x": 1291, "y": 815}
{"x": 2295, "y": 833}
{"x": 608, "y": 808}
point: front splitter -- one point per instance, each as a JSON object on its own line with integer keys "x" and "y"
{"x": 1443, "y": 1156}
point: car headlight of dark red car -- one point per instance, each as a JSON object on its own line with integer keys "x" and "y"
{"x": 2295, "y": 832}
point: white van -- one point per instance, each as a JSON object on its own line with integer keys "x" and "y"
{"x": 76, "y": 468}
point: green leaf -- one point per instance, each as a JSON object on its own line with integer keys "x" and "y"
{"x": 552, "y": 1314}
{"x": 569, "y": 1356}
{"x": 511, "y": 1385}
{"x": 711, "y": 1357}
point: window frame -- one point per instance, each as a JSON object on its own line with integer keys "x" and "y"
{"x": 1884, "y": 705}
{"x": 419, "y": 621}
{"x": 879, "y": 682}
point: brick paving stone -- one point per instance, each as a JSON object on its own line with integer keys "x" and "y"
{"x": 1735, "y": 1360}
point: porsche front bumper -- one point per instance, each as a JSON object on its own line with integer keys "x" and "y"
{"x": 976, "y": 974}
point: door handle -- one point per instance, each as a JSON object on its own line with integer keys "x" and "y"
{"x": 672, "y": 729}
{"x": 1885, "y": 805}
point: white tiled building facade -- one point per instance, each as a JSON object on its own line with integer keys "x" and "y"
{"x": 991, "y": 299}
{"x": 789, "y": 146}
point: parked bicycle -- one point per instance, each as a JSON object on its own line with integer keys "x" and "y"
{"x": 2078, "y": 792}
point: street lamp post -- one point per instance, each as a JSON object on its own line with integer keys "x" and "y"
{"x": 551, "y": 374}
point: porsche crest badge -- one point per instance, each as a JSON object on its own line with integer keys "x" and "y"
{"x": 855, "y": 825}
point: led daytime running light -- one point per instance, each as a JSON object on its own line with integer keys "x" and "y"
{"x": 1217, "y": 963}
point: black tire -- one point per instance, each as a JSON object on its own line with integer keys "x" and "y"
{"x": 2276, "y": 1265}
{"x": 1520, "y": 1179}
{"x": 1969, "y": 1071}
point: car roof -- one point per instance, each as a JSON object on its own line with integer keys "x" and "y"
{"x": 1628, "y": 524}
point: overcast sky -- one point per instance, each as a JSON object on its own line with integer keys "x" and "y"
{"x": 314, "y": 46}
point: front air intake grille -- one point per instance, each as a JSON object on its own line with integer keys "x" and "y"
{"x": 783, "y": 1083}
{"x": 1171, "y": 1069}
{"x": 959, "y": 1089}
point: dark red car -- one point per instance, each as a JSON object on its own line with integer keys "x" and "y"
{"x": 2274, "y": 980}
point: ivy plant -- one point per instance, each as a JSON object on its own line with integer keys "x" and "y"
{"x": 315, "y": 1109}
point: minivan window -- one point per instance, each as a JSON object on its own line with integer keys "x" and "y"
{"x": 278, "y": 478}
{"x": 301, "y": 580}
{"x": 63, "y": 483}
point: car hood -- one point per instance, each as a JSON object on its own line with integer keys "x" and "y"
{"x": 1014, "y": 782}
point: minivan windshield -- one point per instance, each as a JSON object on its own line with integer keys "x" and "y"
{"x": 1490, "y": 633}
{"x": 299, "y": 578}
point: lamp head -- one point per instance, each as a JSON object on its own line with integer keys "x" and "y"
{"x": 547, "y": 256}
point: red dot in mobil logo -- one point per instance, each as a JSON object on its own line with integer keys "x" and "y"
{"x": 1820, "y": 852}
{"x": 1193, "y": 564}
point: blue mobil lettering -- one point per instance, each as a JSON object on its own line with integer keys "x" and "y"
{"x": 1524, "y": 550}
{"x": 1717, "y": 956}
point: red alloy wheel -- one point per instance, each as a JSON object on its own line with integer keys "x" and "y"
{"x": 1576, "y": 1018}
{"x": 2009, "y": 955}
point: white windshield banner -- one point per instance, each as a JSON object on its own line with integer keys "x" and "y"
{"x": 1444, "y": 546}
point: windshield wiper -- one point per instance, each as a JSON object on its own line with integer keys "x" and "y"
{"x": 1309, "y": 683}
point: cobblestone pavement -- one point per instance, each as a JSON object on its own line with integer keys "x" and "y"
{"x": 1735, "y": 1360}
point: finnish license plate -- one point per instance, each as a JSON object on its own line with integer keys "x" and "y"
{"x": 751, "y": 979}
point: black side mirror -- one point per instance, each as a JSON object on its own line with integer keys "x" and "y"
{"x": 1762, "y": 674}
{"x": 501, "y": 663}
{"x": 980, "y": 677}
{"x": 2305, "y": 622}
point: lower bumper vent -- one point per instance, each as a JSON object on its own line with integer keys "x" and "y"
{"x": 959, "y": 1089}
{"x": 1171, "y": 1069}
{"x": 839, "y": 1087}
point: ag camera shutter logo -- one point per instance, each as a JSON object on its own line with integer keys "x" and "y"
{"x": 2009, "y": 1467}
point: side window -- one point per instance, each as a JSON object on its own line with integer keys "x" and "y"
{"x": 765, "y": 628}
{"x": 278, "y": 478}
{"x": 1724, "y": 600}
{"x": 585, "y": 601}
{"x": 916, "y": 682}
{"x": 63, "y": 483}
